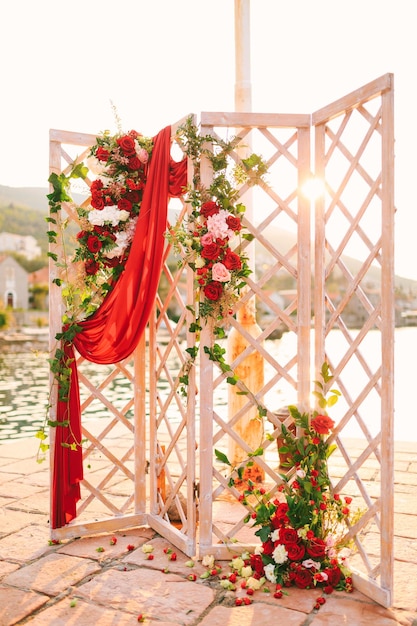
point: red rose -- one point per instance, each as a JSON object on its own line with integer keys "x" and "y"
{"x": 96, "y": 185}
{"x": 295, "y": 551}
{"x": 213, "y": 290}
{"x": 102, "y": 154}
{"x": 91, "y": 267}
{"x": 232, "y": 260}
{"x": 280, "y": 518}
{"x": 93, "y": 243}
{"x": 303, "y": 579}
{"x": 256, "y": 563}
{"x": 322, "y": 424}
{"x": 333, "y": 575}
{"x": 268, "y": 547}
{"x": 124, "y": 205}
{"x": 97, "y": 201}
{"x": 211, "y": 251}
{"x": 82, "y": 234}
{"x": 133, "y": 197}
{"x": 113, "y": 262}
{"x": 288, "y": 535}
{"x": 127, "y": 145}
{"x": 316, "y": 548}
{"x": 134, "y": 164}
{"x": 209, "y": 208}
{"x": 234, "y": 223}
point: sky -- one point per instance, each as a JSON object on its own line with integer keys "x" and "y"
{"x": 69, "y": 65}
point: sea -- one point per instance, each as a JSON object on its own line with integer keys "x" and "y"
{"x": 24, "y": 387}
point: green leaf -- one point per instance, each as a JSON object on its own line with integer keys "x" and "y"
{"x": 221, "y": 457}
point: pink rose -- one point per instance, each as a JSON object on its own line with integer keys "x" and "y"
{"x": 206, "y": 239}
{"x": 220, "y": 273}
{"x": 143, "y": 155}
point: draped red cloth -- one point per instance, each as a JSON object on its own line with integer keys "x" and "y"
{"x": 112, "y": 333}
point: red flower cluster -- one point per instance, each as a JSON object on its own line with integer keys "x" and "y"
{"x": 302, "y": 536}
{"x": 207, "y": 242}
{"x": 108, "y": 223}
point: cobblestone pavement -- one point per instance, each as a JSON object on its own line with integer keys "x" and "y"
{"x": 106, "y": 579}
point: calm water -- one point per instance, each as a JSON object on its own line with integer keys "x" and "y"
{"x": 24, "y": 388}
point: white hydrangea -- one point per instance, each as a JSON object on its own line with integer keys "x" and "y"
{"x": 109, "y": 215}
{"x": 95, "y": 166}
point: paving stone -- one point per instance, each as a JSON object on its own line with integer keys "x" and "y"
{"x": 161, "y": 559}
{"x": 405, "y": 586}
{"x": 16, "y": 604}
{"x": 157, "y": 595}
{"x": 340, "y": 611}
{"x": 12, "y": 521}
{"x": 52, "y": 574}
{"x": 256, "y": 613}
{"x": 6, "y": 478}
{"x": 88, "y": 547}
{"x": 22, "y": 466}
{"x": 405, "y": 525}
{"x": 27, "y": 544}
{"x": 15, "y": 490}
{"x": 41, "y": 479}
{"x": 7, "y": 568}
{"x": 24, "y": 448}
{"x": 36, "y": 503}
{"x": 85, "y": 614}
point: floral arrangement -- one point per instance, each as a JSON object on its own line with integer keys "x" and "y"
{"x": 211, "y": 239}
{"x": 108, "y": 221}
{"x": 302, "y": 530}
{"x": 303, "y": 524}
{"x": 219, "y": 264}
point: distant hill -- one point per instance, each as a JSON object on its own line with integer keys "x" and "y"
{"x": 23, "y": 209}
{"x": 30, "y": 197}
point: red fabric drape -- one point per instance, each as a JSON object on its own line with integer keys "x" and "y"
{"x": 112, "y": 333}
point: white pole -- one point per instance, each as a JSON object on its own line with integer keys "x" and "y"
{"x": 243, "y": 88}
{"x": 251, "y": 370}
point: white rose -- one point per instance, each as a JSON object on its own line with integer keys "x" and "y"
{"x": 255, "y": 583}
{"x": 237, "y": 563}
{"x": 199, "y": 262}
{"x": 270, "y": 572}
{"x": 208, "y": 561}
{"x": 280, "y": 554}
{"x": 246, "y": 572}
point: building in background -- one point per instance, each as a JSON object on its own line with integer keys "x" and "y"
{"x": 26, "y": 245}
{"x": 14, "y": 284}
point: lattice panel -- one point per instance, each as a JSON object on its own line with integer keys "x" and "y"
{"x": 355, "y": 219}
{"x": 266, "y": 345}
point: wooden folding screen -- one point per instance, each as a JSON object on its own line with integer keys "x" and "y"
{"x": 301, "y": 306}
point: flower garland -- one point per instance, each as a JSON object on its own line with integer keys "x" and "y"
{"x": 210, "y": 239}
{"x": 303, "y": 529}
